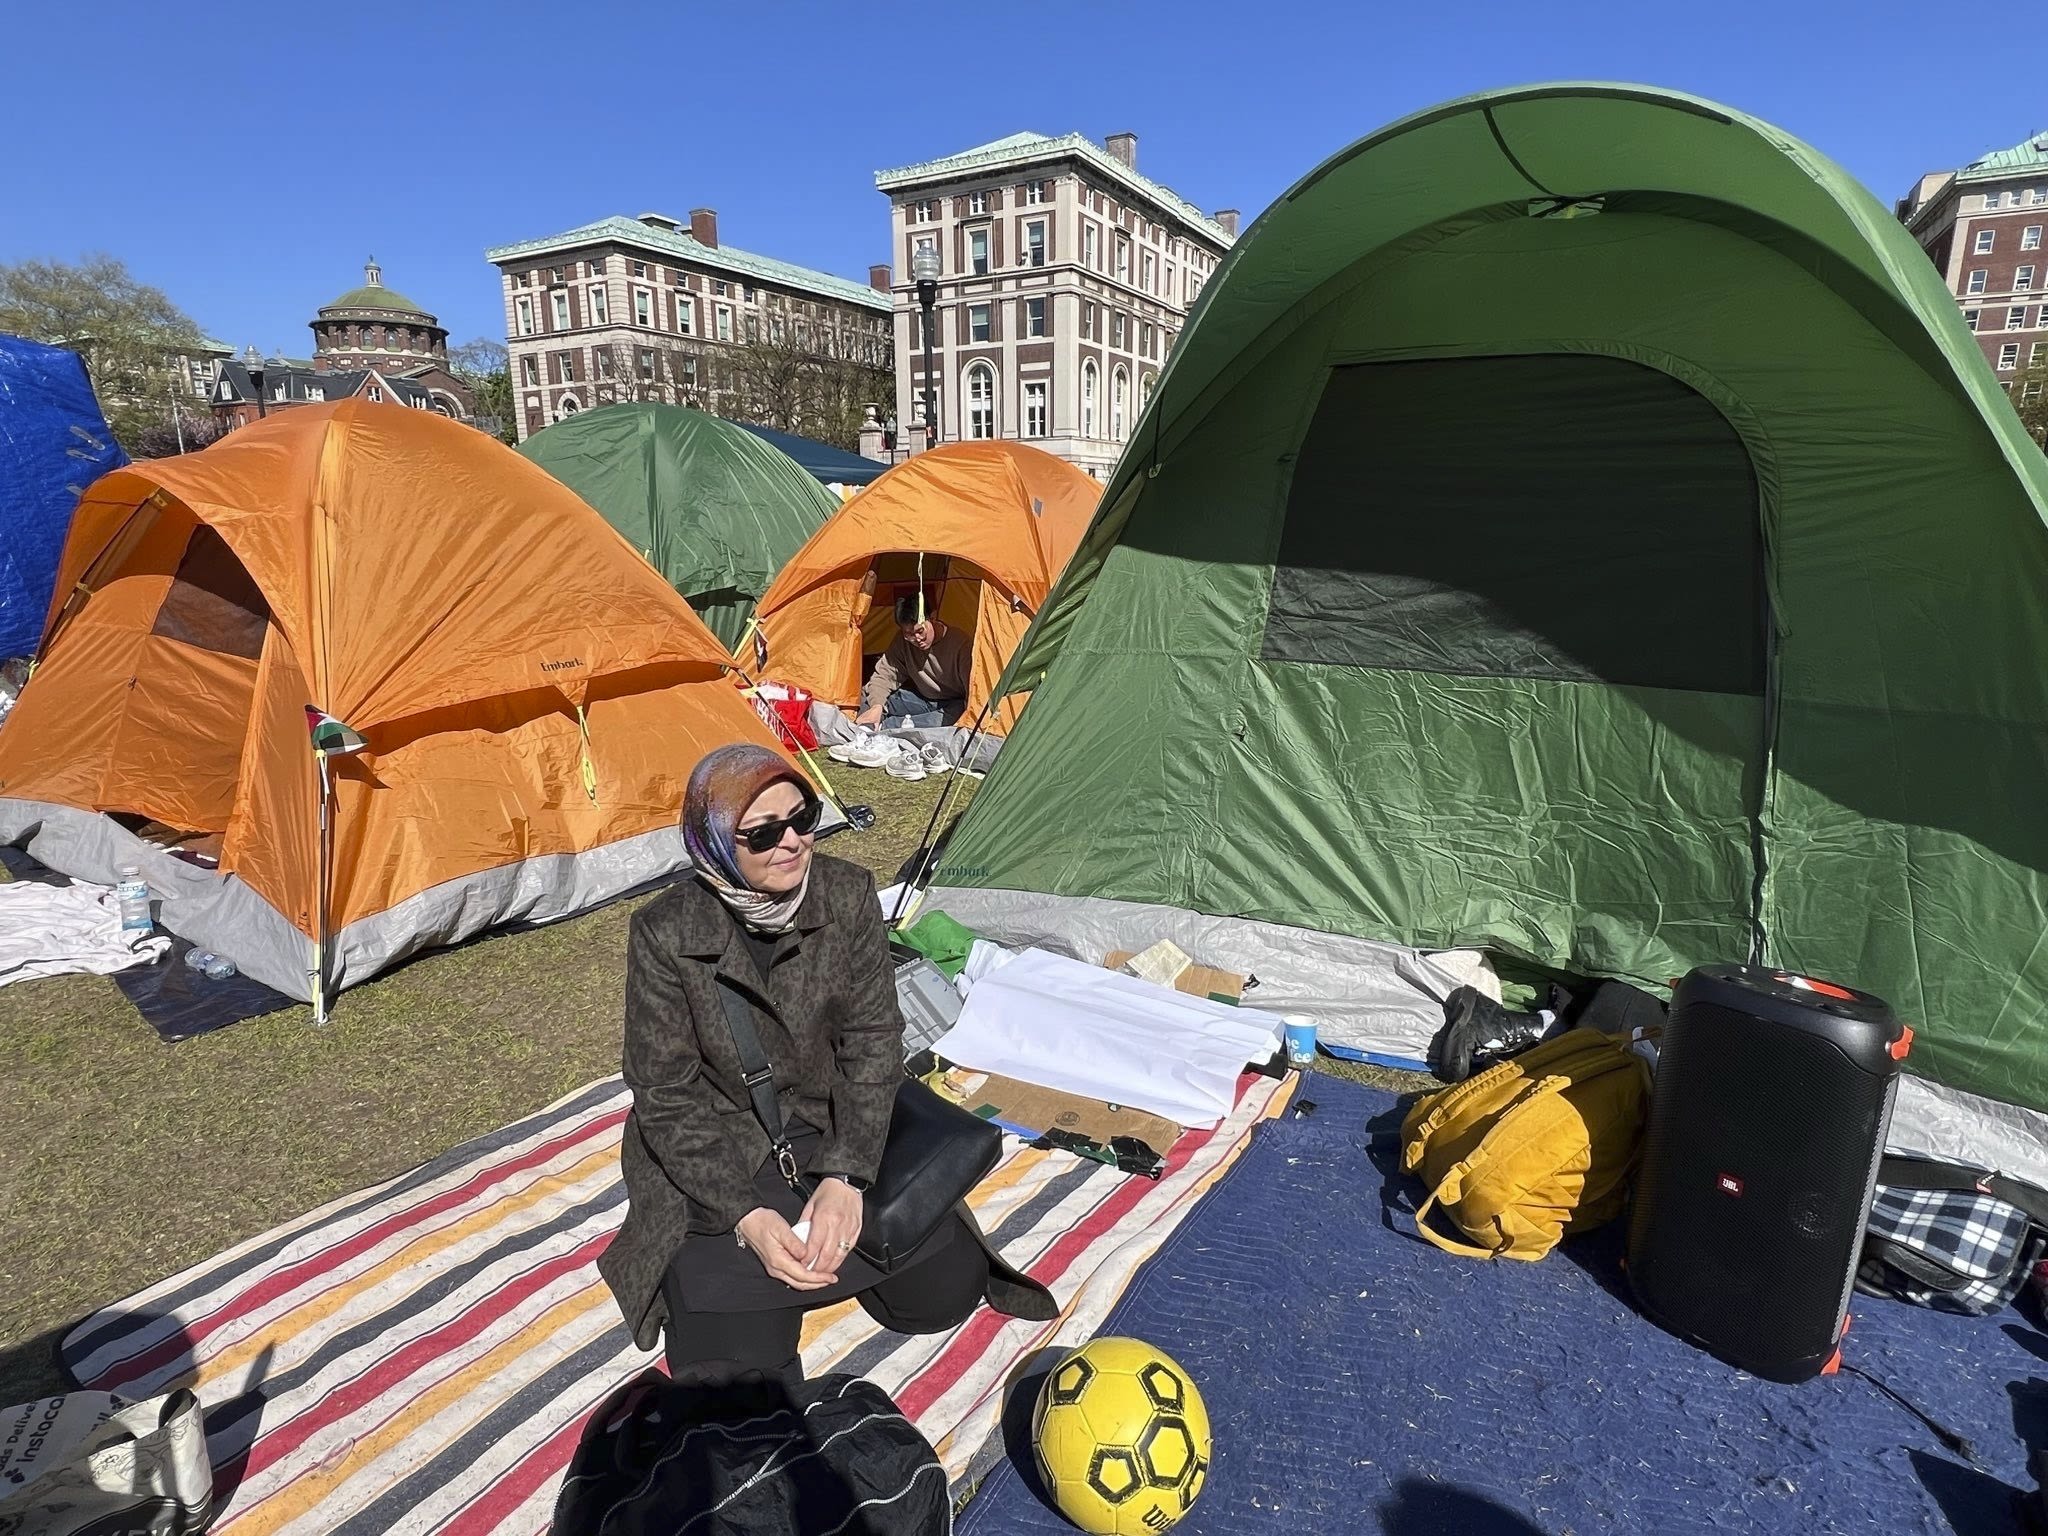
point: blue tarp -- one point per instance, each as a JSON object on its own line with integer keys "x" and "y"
{"x": 53, "y": 444}
{"x": 821, "y": 461}
{"x": 1360, "y": 1381}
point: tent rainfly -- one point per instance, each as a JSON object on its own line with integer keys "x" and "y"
{"x": 53, "y": 444}
{"x": 507, "y": 700}
{"x": 1576, "y": 522}
{"x": 710, "y": 505}
{"x": 821, "y": 461}
{"x": 986, "y": 526}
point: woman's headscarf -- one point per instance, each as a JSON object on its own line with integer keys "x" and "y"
{"x": 721, "y": 788}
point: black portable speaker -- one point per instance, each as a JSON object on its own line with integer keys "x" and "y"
{"x": 1772, "y": 1098}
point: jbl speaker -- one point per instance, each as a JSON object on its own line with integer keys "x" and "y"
{"x": 1772, "y": 1098}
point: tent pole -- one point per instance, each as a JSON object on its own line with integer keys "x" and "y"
{"x": 319, "y": 975}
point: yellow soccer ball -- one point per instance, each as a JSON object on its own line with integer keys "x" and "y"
{"x": 1122, "y": 1438}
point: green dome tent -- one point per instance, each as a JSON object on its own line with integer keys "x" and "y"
{"x": 1575, "y": 522}
{"x": 714, "y": 508}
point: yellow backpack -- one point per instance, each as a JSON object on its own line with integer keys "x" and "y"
{"x": 1535, "y": 1147}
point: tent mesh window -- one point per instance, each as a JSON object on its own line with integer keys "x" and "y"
{"x": 213, "y": 604}
{"x": 1570, "y": 516}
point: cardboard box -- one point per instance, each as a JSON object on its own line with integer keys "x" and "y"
{"x": 1029, "y": 1107}
{"x": 1197, "y": 980}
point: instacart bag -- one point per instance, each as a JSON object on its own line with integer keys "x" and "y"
{"x": 92, "y": 1464}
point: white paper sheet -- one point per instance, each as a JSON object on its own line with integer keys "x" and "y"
{"x": 1056, "y": 1022}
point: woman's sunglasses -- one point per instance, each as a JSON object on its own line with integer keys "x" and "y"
{"x": 764, "y": 837}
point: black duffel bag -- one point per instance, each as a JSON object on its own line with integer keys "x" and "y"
{"x": 755, "y": 1459}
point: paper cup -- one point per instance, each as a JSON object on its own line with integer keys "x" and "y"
{"x": 1301, "y": 1039}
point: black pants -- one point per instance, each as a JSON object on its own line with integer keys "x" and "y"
{"x": 940, "y": 1290}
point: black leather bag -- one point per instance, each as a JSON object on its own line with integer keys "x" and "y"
{"x": 935, "y": 1154}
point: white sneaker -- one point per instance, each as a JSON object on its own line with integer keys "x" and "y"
{"x": 842, "y": 751}
{"x": 875, "y": 752}
{"x": 934, "y": 758}
{"x": 907, "y": 764}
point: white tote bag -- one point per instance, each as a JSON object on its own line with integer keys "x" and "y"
{"x": 88, "y": 1462}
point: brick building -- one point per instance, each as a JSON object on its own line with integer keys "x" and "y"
{"x": 1982, "y": 227}
{"x": 652, "y": 309}
{"x": 1065, "y": 277}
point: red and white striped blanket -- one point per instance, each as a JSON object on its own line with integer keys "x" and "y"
{"x": 420, "y": 1357}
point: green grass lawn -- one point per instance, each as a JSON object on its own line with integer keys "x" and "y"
{"x": 130, "y": 1159}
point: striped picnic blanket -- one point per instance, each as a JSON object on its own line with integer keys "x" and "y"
{"x": 420, "y": 1357}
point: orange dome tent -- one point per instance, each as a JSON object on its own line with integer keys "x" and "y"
{"x": 988, "y": 526}
{"x": 529, "y": 695}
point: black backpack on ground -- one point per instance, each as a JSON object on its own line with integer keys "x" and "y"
{"x": 756, "y": 1459}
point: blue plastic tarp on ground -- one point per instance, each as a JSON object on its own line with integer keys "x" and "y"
{"x": 1358, "y": 1380}
{"x": 821, "y": 461}
{"x": 53, "y": 444}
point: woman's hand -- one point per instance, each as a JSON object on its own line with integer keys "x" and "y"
{"x": 834, "y": 1213}
{"x": 771, "y": 1241}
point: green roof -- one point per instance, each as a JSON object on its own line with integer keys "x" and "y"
{"x": 377, "y": 296}
{"x": 2018, "y": 160}
{"x": 724, "y": 258}
{"x": 1021, "y": 148}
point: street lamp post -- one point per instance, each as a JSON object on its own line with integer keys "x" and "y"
{"x": 253, "y": 365}
{"x": 924, "y": 267}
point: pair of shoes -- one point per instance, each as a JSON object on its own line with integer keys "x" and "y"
{"x": 875, "y": 752}
{"x": 907, "y": 764}
{"x": 842, "y": 751}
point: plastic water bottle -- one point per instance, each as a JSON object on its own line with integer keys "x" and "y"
{"x": 199, "y": 959}
{"x": 219, "y": 968}
{"x": 133, "y": 895}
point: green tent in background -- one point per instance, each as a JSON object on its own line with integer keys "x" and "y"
{"x": 713, "y": 507}
{"x": 1575, "y": 522}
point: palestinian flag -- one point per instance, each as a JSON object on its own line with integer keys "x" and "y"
{"x": 330, "y": 736}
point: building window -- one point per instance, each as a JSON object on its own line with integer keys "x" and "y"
{"x": 686, "y": 369}
{"x": 1034, "y": 243}
{"x": 720, "y": 288}
{"x": 1034, "y": 320}
{"x": 977, "y": 322}
{"x": 977, "y": 202}
{"x": 2031, "y": 390}
{"x": 643, "y": 308}
{"x": 1145, "y": 391}
{"x": 2038, "y": 195}
{"x": 1088, "y": 321}
{"x": 1123, "y": 258}
{"x": 645, "y": 362}
{"x": 2008, "y": 357}
{"x": 1150, "y": 271}
{"x": 1976, "y": 283}
{"x": 602, "y": 356}
{"x": 569, "y": 407}
{"x": 924, "y": 213}
{"x": 597, "y": 306}
{"x": 747, "y": 293}
{"x": 2022, "y": 279}
{"x": 639, "y": 268}
{"x": 981, "y": 401}
{"x": 1088, "y": 382}
{"x": 529, "y": 371}
{"x": 372, "y": 393}
{"x": 1985, "y": 239}
{"x": 1037, "y": 414}
{"x": 2035, "y": 353}
{"x": 568, "y": 367}
{"x": 1970, "y": 317}
{"x": 932, "y": 322}
{"x": 561, "y": 311}
{"x": 525, "y": 317}
{"x": 317, "y": 392}
{"x": 722, "y": 322}
{"x": 598, "y": 266}
{"x": 1119, "y": 390}
{"x": 686, "y": 315}
{"x": 1088, "y": 245}
{"x": 2016, "y": 318}
{"x": 524, "y": 280}
{"x": 2030, "y": 238}
{"x": 1033, "y": 193}
{"x": 977, "y": 252}
{"x": 1116, "y": 328}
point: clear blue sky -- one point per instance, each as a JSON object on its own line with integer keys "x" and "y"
{"x": 247, "y": 158}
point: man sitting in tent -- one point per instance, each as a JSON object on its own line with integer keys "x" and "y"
{"x": 921, "y": 680}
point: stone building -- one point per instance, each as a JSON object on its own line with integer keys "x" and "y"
{"x": 1065, "y": 277}
{"x": 651, "y": 308}
{"x": 1982, "y": 228}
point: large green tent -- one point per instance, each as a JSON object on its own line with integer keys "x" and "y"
{"x": 1576, "y": 522}
{"x": 713, "y": 507}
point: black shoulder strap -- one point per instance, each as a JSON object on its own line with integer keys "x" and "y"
{"x": 1928, "y": 1173}
{"x": 758, "y": 1076}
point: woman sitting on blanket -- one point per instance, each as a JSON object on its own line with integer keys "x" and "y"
{"x": 707, "y": 1255}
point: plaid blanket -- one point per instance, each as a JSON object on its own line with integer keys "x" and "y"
{"x": 421, "y": 1356}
